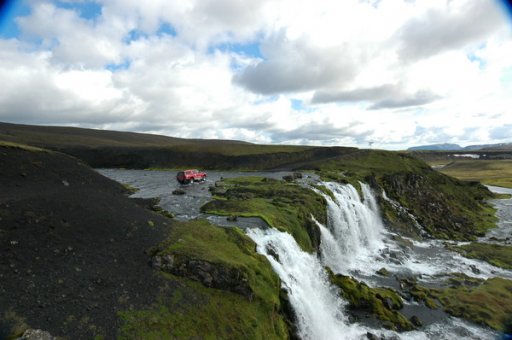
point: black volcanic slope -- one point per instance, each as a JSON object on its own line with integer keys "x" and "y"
{"x": 72, "y": 246}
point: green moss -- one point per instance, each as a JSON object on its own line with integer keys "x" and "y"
{"x": 489, "y": 303}
{"x": 161, "y": 211}
{"x": 12, "y": 145}
{"x": 445, "y": 207}
{"x": 131, "y": 189}
{"x": 284, "y": 206}
{"x": 226, "y": 246}
{"x": 502, "y": 196}
{"x": 486, "y": 302}
{"x": 194, "y": 310}
{"x": 324, "y": 190}
{"x": 384, "y": 303}
{"x": 498, "y": 255}
{"x": 363, "y": 163}
{"x": 419, "y": 293}
{"x": 12, "y": 325}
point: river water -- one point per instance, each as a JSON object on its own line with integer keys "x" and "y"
{"x": 354, "y": 242}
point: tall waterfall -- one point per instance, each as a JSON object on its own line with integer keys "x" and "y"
{"x": 318, "y": 309}
{"x": 354, "y": 231}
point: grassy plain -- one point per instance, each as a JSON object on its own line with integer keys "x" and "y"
{"x": 491, "y": 172}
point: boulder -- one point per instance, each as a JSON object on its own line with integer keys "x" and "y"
{"x": 416, "y": 321}
{"x": 36, "y": 334}
{"x": 383, "y": 272}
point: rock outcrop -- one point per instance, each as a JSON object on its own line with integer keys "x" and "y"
{"x": 214, "y": 275}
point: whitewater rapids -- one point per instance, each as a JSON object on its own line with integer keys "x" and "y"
{"x": 355, "y": 242}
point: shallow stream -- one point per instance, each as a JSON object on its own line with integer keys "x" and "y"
{"x": 354, "y": 242}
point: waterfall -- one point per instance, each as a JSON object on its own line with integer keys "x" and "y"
{"x": 353, "y": 240}
{"x": 354, "y": 231}
{"x": 317, "y": 306}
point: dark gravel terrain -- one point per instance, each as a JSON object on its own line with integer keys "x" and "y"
{"x": 72, "y": 247}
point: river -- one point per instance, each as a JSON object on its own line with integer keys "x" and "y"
{"x": 354, "y": 242}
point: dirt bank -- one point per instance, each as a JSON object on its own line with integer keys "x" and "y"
{"x": 72, "y": 247}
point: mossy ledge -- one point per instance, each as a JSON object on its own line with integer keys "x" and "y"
{"x": 495, "y": 254}
{"x": 383, "y": 303}
{"x": 445, "y": 207}
{"x": 221, "y": 286}
{"x": 485, "y": 302}
{"x": 283, "y": 205}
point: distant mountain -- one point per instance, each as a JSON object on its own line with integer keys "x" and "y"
{"x": 436, "y": 147}
{"x": 456, "y": 147}
{"x": 493, "y": 147}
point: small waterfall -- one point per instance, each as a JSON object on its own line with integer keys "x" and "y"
{"x": 354, "y": 231}
{"x": 318, "y": 309}
{"x": 399, "y": 208}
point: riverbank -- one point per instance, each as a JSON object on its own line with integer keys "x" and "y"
{"x": 82, "y": 260}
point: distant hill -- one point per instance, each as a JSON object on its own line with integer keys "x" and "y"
{"x": 436, "y": 147}
{"x": 497, "y": 147}
{"x": 106, "y": 149}
{"x": 68, "y": 136}
{"x": 456, "y": 147}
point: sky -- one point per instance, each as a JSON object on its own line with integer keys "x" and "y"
{"x": 384, "y": 74}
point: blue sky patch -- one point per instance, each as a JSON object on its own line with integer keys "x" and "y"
{"x": 166, "y": 29}
{"x": 88, "y": 10}
{"x": 10, "y": 10}
{"x": 507, "y": 7}
{"x": 134, "y": 35}
{"x": 119, "y": 67}
{"x": 249, "y": 50}
{"x": 297, "y": 104}
{"x": 474, "y": 58}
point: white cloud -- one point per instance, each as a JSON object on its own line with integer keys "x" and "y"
{"x": 299, "y": 65}
{"x": 394, "y": 73}
{"x": 448, "y": 26}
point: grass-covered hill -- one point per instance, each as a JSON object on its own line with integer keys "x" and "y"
{"x": 100, "y": 148}
{"x": 81, "y": 260}
{"x": 61, "y": 136}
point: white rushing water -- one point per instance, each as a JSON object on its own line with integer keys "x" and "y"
{"x": 355, "y": 242}
{"x": 318, "y": 309}
{"x": 355, "y": 233}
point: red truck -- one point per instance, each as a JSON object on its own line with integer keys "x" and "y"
{"x": 189, "y": 176}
